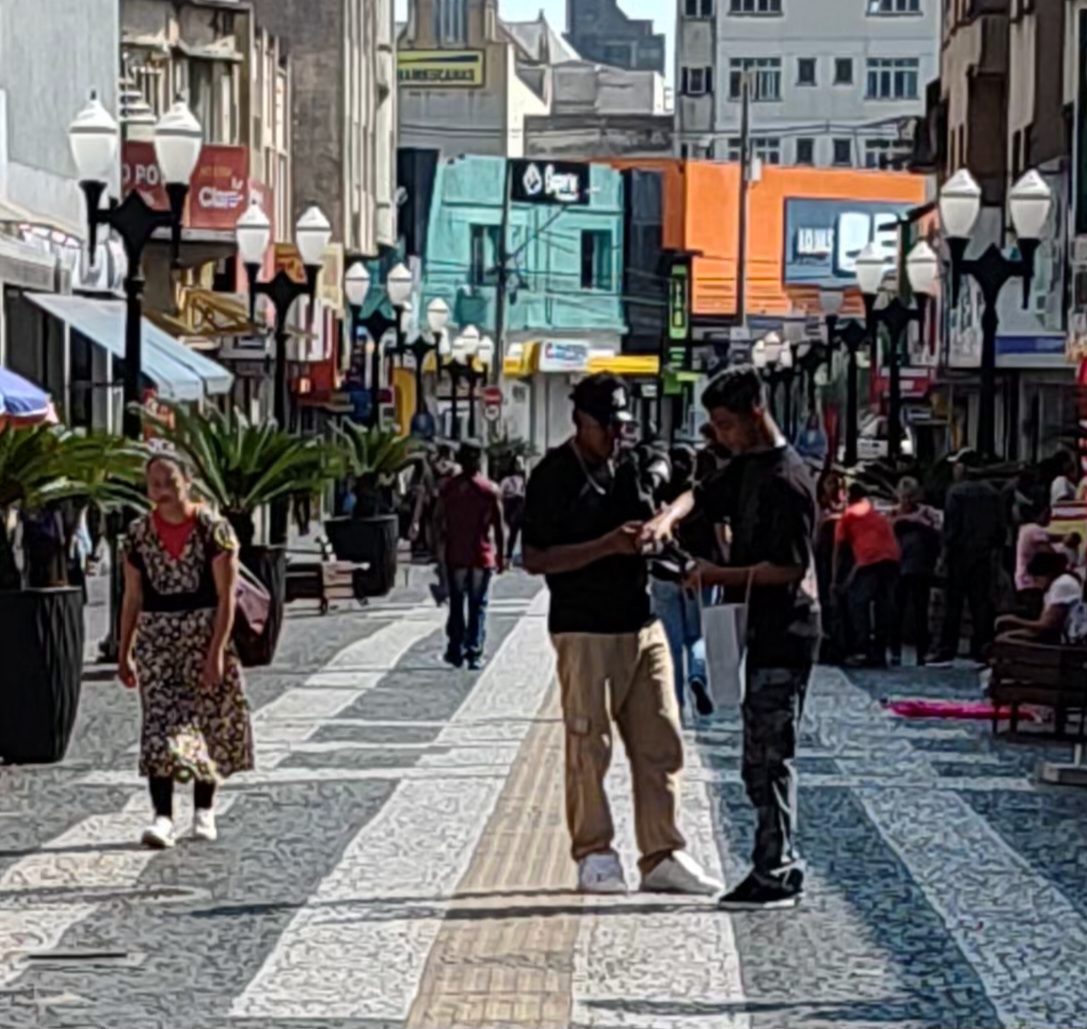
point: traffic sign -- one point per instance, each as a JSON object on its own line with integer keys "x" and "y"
{"x": 492, "y": 412}
{"x": 492, "y": 395}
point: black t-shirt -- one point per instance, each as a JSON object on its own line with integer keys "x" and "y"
{"x": 768, "y": 499}
{"x": 568, "y": 504}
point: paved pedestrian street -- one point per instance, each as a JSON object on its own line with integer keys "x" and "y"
{"x": 399, "y": 858}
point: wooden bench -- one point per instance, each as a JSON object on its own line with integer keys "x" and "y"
{"x": 1040, "y": 675}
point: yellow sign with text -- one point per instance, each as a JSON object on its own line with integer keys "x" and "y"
{"x": 440, "y": 68}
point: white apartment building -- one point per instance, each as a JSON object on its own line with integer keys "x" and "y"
{"x": 833, "y": 82}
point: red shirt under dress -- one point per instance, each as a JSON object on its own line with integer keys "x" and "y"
{"x": 471, "y": 513}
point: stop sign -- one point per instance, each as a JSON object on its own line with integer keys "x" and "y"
{"x": 492, "y": 396}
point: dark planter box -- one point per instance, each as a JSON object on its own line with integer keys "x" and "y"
{"x": 41, "y": 640}
{"x": 369, "y": 541}
{"x": 269, "y": 565}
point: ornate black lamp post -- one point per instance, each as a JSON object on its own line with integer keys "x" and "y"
{"x": 1030, "y": 201}
{"x": 853, "y": 336}
{"x": 923, "y": 269}
{"x": 421, "y": 347}
{"x": 94, "y": 139}
{"x": 254, "y": 234}
{"x": 460, "y": 365}
{"x": 777, "y": 363}
{"x": 398, "y": 286}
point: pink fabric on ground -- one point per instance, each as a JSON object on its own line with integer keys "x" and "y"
{"x": 955, "y": 709}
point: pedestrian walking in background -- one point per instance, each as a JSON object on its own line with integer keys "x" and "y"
{"x": 513, "y": 504}
{"x": 584, "y": 517}
{"x": 471, "y": 549}
{"x": 873, "y": 577}
{"x": 973, "y": 537}
{"x": 678, "y": 607}
{"x": 767, "y": 495}
{"x": 811, "y": 442}
{"x": 180, "y": 575}
{"x": 917, "y": 529}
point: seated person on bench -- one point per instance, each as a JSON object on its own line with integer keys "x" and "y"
{"x": 1063, "y": 592}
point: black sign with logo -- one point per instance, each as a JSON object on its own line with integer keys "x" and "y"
{"x": 565, "y": 183}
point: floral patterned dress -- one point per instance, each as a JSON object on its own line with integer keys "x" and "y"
{"x": 189, "y": 731}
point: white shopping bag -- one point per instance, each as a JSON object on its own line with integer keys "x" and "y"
{"x": 724, "y": 629}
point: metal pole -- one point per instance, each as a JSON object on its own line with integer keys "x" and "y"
{"x": 852, "y": 412}
{"x": 990, "y": 325}
{"x": 134, "y": 284}
{"x": 894, "y": 400}
{"x": 454, "y": 378}
{"x": 745, "y": 174}
{"x": 500, "y": 298}
{"x": 473, "y": 377}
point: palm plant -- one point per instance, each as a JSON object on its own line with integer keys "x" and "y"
{"x": 241, "y": 466}
{"x": 374, "y": 458}
{"x": 46, "y": 466}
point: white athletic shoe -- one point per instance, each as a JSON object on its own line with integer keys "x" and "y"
{"x": 680, "y": 873}
{"x": 159, "y": 835}
{"x": 601, "y": 873}
{"x": 203, "y": 826}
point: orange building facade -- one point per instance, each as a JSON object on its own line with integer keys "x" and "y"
{"x": 785, "y": 260}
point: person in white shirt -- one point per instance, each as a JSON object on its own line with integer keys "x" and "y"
{"x": 1063, "y": 591}
{"x": 1063, "y": 487}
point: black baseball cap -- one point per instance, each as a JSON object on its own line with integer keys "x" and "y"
{"x": 604, "y": 398}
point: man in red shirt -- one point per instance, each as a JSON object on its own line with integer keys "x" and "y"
{"x": 471, "y": 545}
{"x": 870, "y": 586}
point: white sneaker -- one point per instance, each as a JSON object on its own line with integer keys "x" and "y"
{"x": 601, "y": 873}
{"x": 680, "y": 873}
{"x": 159, "y": 835}
{"x": 203, "y": 825}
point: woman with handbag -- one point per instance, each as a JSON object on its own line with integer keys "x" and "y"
{"x": 181, "y": 579}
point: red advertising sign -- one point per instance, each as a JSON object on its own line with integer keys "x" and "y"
{"x": 218, "y": 190}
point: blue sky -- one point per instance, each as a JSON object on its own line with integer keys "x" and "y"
{"x": 661, "y": 11}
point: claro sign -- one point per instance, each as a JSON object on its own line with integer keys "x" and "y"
{"x": 218, "y": 190}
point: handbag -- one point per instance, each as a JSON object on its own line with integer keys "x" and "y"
{"x": 724, "y": 629}
{"x": 252, "y": 603}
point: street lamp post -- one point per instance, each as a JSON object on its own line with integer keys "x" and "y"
{"x": 461, "y": 367}
{"x": 853, "y": 336}
{"x": 398, "y": 286}
{"x": 1030, "y": 201}
{"x": 94, "y": 139}
{"x": 923, "y": 270}
{"x": 254, "y": 233}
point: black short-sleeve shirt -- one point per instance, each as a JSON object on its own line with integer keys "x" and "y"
{"x": 768, "y": 500}
{"x": 567, "y": 504}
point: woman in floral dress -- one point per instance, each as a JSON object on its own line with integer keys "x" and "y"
{"x": 181, "y": 572}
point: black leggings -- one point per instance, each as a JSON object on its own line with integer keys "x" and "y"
{"x": 162, "y": 796}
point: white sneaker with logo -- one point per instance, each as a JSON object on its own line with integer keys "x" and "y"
{"x": 601, "y": 873}
{"x": 159, "y": 835}
{"x": 680, "y": 873}
{"x": 203, "y": 826}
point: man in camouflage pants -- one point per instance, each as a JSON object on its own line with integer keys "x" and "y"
{"x": 767, "y": 497}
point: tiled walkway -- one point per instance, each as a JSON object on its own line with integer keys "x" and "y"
{"x": 399, "y": 859}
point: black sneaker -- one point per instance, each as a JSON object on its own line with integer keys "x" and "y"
{"x": 453, "y": 660}
{"x": 703, "y": 702}
{"x": 754, "y": 895}
{"x": 475, "y": 664}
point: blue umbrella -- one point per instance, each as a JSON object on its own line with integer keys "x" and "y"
{"x": 20, "y": 399}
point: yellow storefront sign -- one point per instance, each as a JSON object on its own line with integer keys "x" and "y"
{"x": 441, "y": 68}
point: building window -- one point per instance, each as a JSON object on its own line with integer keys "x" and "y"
{"x": 884, "y": 153}
{"x": 893, "y": 78}
{"x": 805, "y": 71}
{"x": 618, "y": 55}
{"x": 754, "y": 7}
{"x": 765, "y": 77}
{"x": 766, "y": 148}
{"x": 843, "y": 153}
{"x": 696, "y": 81}
{"x": 894, "y": 6}
{"x": 805, "y": 151}
{"x": 484, "y": 257}
{"x": 843, "y": 71}
{"x": 451, "y": 21}
{"x": 596, "y": 260}
{"x": 698, "y": 8}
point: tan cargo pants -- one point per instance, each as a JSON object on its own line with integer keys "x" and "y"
{"x": 635, "y": 670}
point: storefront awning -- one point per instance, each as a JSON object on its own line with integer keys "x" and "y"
{"x": 629, "y": 365}
{"x": 178, "y": 373}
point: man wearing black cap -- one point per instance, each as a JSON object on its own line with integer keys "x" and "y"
{"x": 583, "y": 524}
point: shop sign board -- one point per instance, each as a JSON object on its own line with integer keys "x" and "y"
{"x": 564, "y": 357}
{"x": 562, "y": 183}
{"x": 442, "y": 69}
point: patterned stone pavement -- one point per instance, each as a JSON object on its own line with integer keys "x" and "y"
{"x": 398, "y": 859}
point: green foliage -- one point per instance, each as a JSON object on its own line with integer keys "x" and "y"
{"x": 44, "y": 465}
{"x": 241, "y": 466}
{"x": 502, "y": 452}
{"x": 374, "y": 458}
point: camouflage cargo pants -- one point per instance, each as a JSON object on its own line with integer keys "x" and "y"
{"x": 772, "y": 710}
